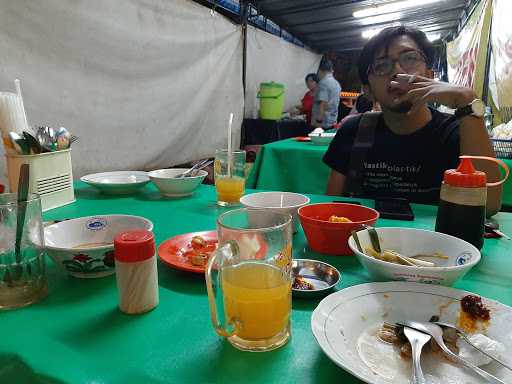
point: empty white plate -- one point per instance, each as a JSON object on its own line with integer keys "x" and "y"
{"x": 117, "y": 183}
{"x": 345, "y": 325}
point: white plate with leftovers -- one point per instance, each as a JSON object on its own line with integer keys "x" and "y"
{"x": 350, "y": 327}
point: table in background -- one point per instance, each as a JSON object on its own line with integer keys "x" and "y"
{"x": 293, "y": 166}
{"x": 259, "y": 131}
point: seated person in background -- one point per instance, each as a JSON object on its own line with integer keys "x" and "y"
{"x": 327, "y": 98}
{"x": 362, "y": 105}
{"x": 306, "y": 106}
{"x": 404, "y": 150}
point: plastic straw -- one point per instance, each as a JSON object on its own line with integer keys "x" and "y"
{"x": 282, "y": 200}
{"x": 17, "y": 84}
{"x": 230, "y": 150}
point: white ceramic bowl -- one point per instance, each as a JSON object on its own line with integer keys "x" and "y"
{"x": 409, "y": 242}
{"x": 322, "y": 138}
{"x": 170, "y": 186}
{"x": 117, "y": 183}
{"x": 291, "y": 202}
{"x": 84, "y": 247}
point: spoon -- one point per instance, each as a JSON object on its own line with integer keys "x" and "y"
{"x": 34, "y": 145}
{"x": 466, "y": 338}
{"x": 46, "y": 138}
{"x": 356, "y": 239}
{"x": 195, "y": 171}
{"x": 197, "y": 166}
{"x": 417, "y": 340}
{"x": 19, "y": 144}
{"x": 374, "y": 239}
{"x": 63, "y": 138}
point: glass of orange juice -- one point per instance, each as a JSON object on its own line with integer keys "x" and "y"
{"x": 249, "y": 279}
{"x": 229, "y": 177}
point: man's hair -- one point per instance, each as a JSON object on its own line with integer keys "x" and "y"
{"x": 326, "y": 65}
{"x": 384, "y": 38}
{"x": 312, "y": 76}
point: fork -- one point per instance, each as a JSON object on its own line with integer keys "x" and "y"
{"x": 436, "y": 332}
{"x": 466, "y": 338}
{"x": 418, "y": 340}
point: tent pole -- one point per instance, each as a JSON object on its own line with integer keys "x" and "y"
{"x": 485, "y": 90}
{"x": 244, "y": 15}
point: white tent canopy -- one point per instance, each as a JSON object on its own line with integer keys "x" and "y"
{"x": 143, "y": 83}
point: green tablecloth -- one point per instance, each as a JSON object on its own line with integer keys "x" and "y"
{"x": 77, "y": 334}
{"x": 293, "y": 166}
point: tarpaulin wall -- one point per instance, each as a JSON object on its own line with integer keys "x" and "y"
{"x": 270, "y": 58}
{"x": 500, "y": 81}
{"x": 466, "y": 55}
{"x": 143, "y": 83}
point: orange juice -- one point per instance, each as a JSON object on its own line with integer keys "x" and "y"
{"x": 259, "y": 297}
{"x": 229, "y": 189}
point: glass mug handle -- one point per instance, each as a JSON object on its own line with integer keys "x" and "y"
{"x": 213, "y": 275}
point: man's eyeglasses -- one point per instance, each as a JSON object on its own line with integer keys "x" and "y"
{"x": 409, "y": 61}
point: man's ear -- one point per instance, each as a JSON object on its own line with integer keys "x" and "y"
{"x": 429, "y": 73}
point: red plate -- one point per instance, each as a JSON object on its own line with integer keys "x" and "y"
{"x": 303, "y": 138}
{"x": 173, "y": 251}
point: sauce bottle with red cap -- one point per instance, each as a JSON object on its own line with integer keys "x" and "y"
{"x": 136, "y": 271}
{"x": 463, "y": 200}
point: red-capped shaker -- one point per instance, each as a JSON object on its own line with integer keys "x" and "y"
{"x": 463, "y": 199}
{"x": 136, "y": 271}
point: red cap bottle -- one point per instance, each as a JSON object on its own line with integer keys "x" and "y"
{"x": 136, "y": 271}
{"x": 133, "y": 246}
{"x": 462, "y": 203}
{"x": 465, "y": 175}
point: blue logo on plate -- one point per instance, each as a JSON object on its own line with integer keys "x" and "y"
{"x": 96, "y": 224}
{"x": 464, "y": 258}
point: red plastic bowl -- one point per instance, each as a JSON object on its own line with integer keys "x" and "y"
{"x": 332, "y": 238}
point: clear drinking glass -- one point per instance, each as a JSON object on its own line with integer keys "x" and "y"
{"x": 249, "y": 279}
{"x": 229, "y": 181}
{"x": 22, "y": 276}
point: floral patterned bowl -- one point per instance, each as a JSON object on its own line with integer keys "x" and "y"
{"x": 84, "y": 247}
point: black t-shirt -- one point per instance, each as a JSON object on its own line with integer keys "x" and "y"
{"x": 410, "y": 166}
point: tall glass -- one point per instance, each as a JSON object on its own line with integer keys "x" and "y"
{"x": 229, "y": 181}
{"x": 22, "y": 275}
{"x": 249, "y": 279}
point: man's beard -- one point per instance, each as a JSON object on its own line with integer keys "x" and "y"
{"x": 403, "y": 107}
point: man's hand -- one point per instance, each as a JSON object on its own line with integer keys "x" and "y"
{"x": 421, "y": 90}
